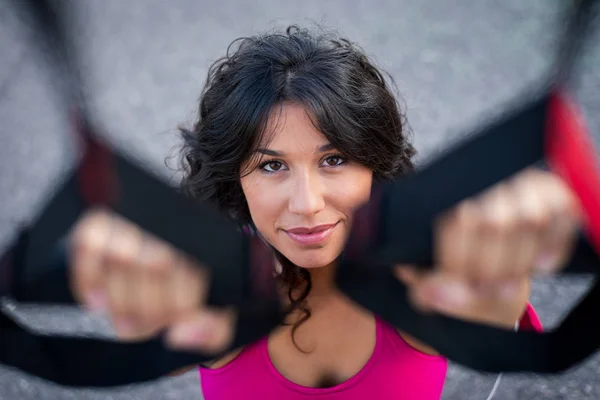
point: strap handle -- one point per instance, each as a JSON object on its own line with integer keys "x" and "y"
{"x": 397, "y": 226}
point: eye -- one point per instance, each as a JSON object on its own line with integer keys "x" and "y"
{"x": 271, "y": 166}
{"x": 335, "y": 160}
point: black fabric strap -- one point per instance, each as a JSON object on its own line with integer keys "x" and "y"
{"x": 477, "y": 346}
{"x": 195, "y": 228}
{"x": 419, "y": 199}
{"x": 497, "y": 152}
{"x": 35, "y": 267}
{"x": 40, "y": 275}
{"x": 396, "y": 226}
{"x": 89, "y": 362}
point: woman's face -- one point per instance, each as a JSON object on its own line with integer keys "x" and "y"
{"x": 303, "y": 193}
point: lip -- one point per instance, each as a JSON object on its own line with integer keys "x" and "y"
{"x": 311, "y": 236}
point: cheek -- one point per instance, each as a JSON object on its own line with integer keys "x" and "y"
{"x": 262, "y": 201}
{"x": 353, "y": 191}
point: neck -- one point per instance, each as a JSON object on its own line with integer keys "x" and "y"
{"x": 323, "y": 293}
{"x": 323, "y": 288}
{"x": 322, "y": 281}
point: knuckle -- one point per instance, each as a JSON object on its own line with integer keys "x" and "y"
{"x": 124, "y": 251}
{"x": 90, "y": 239}
{"x": 159, "y": 257}
{"x": 496, "y": 222}
{"x": 189, "y": 295}
{"x": 465, "y": 216}
{"x": 536, "y": 219}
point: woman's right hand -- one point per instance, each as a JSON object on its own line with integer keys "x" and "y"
{"x": 144, "y": 285}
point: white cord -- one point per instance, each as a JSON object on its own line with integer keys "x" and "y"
{"x": 499, "y": 378}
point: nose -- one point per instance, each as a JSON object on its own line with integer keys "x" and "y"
{"x": 306, "y": 197}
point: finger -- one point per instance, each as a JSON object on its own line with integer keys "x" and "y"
{"x": 414, "y": 280}
{"x": 457, "y": 297}
{"x": 408, "y": 274}
{"x": 496, "y": 235}
{"x": 122, "y": 285}
{"x": 534, "y": 216}
{"x": 89, "y": 240}
{"x": 557, "y": 247}
{"x": 442, "y": 292}
{"x": 155, "y": 260}
{"x": 455, "y": 235}
{"x": 210, "y": 330}
{"x": 558, "y": 239}
{"x": 188, "y": 285}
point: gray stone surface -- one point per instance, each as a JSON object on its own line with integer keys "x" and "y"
{"x": 453, "y": 60}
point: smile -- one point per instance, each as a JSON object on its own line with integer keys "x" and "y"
{"x": 311, "y": 236}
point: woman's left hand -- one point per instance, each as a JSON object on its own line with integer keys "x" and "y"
{"x": 488, "y": 247}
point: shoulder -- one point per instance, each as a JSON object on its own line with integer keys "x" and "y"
{"x": 398, "y": 336}
{"x": 417, "y": 345}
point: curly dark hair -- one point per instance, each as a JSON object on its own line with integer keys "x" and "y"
{"x": 347, "y": 96}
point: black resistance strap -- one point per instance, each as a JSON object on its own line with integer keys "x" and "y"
{"x": 395, "y": 226}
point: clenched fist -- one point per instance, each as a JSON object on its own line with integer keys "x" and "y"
{"x": 144, "y": 285}
{"x": 488, "y": 247}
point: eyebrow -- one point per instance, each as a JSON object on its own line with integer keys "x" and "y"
{"x": 275, "y": 153}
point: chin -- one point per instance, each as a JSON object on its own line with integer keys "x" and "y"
{"x": 311, "y": 259}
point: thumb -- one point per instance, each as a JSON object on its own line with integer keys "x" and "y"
{"x": 409, "y": 274}
{"x": 428, "y": 290}
{"x": 458, "y": 297}
{"x": 209, "y": 330}
{"x": 444, "y": 293}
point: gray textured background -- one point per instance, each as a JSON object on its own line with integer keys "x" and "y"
{"x": 453, "y": 60}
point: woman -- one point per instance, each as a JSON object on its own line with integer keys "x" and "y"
{"x": 293, "y": 130}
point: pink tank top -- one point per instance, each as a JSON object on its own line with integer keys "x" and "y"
{"x": 395, "y": 371}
